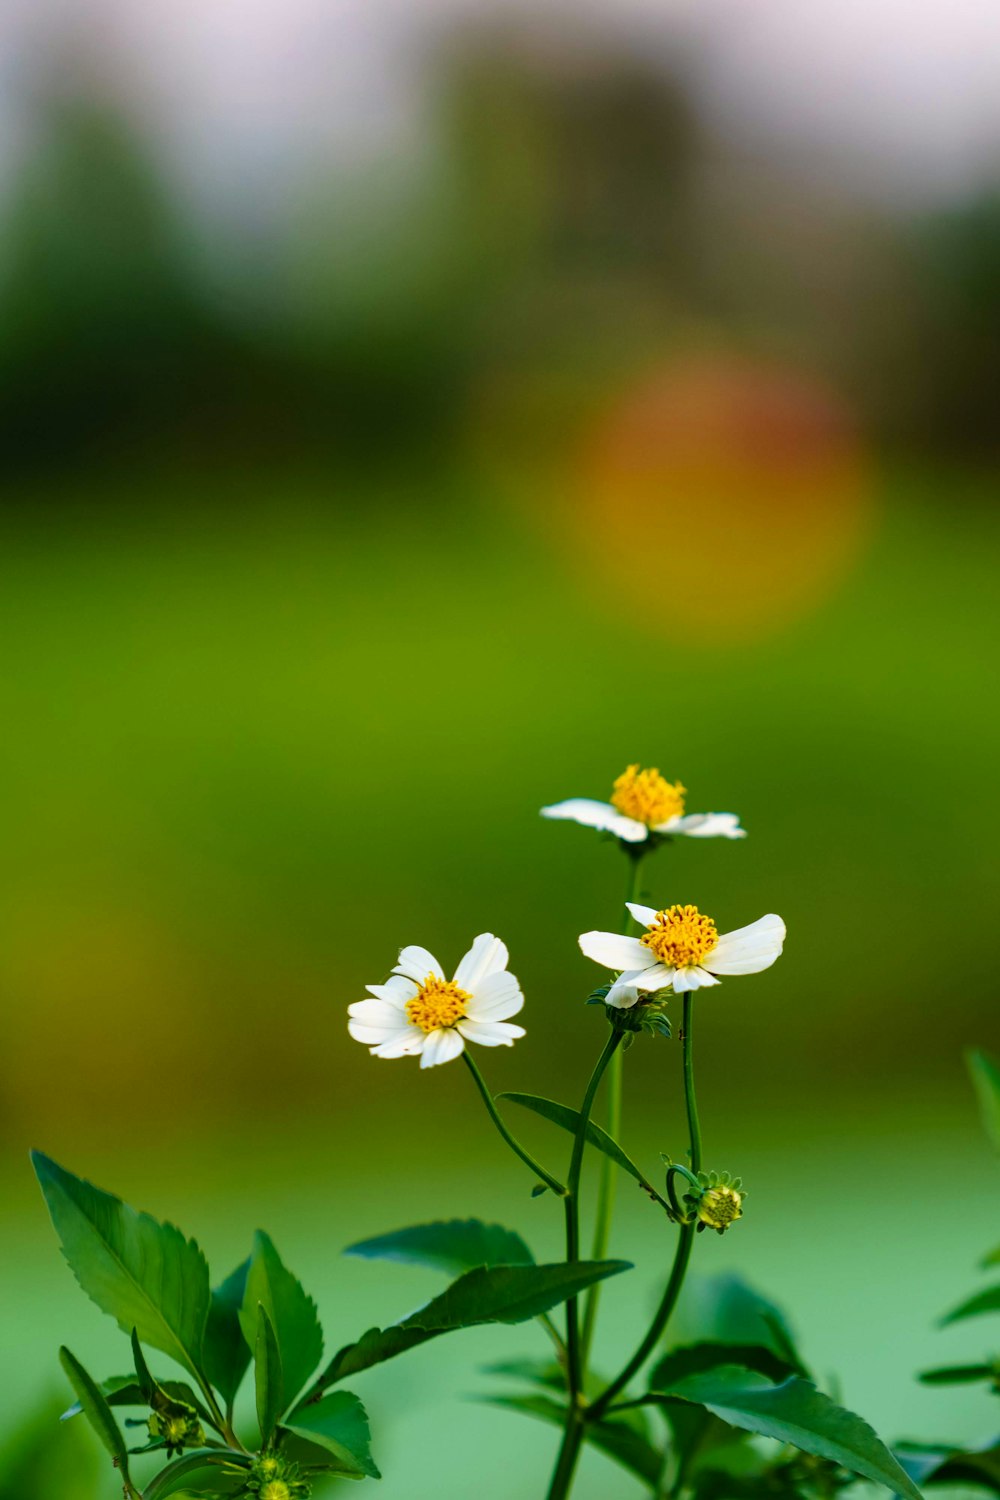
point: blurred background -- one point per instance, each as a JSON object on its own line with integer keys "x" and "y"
{"x": 410, "y": 413}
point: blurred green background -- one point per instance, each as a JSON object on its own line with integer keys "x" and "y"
{"x": 358, "y": 500}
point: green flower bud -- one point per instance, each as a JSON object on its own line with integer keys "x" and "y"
{"x": 274, "y": 1478}
{"x": 718, "y": 1203}
{"x": 177, "y": 1427}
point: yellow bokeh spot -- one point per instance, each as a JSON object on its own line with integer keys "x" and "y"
{"x": 681, "y": 937}
{"x": 439, "y": 1002}
{"x": 647, "y": 797}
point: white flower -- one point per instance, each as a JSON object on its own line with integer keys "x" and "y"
{"x": 417, "y": 1010}
{"x": 681, "y": 948}
{"x": 644, "y": 803}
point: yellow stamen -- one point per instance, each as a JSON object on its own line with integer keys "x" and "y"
{"x": 276, "y": 1489}
{"x": 681, "y": 937}
{"x": 647, "y": 797}
{"x": 438, "y": 1003}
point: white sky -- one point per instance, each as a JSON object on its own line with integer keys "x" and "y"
{"x": 243, "y": 92}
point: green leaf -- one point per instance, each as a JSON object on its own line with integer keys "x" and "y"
{"x": 695, "y": 1358}
{"x": 796, "y": 1412}
{"x": 985, "y": 1076}
{"x": 98, "y": 1413}
{"x": 206, "y": 1466}
{"x": 498, "y": 1294}
{"x": 145, "y": 1274}
{"x": 452, "y": 1245}
{"x": 338, "y": 1423}
{"x": 546, "y": 1373}
{"x": 226, "y": 1353}
{"x": 993, "y": 1259}
{"x": 725, "y": 1309}
{"x": 123, "y": 1390}
{"x": 958, "y": 1374}
{"x": 569, "y": 1119}
{"x": 613, "y": 1436}
{"x": 986, "y": 1301}
{"x": 291, "y": 1312}
{"x": 930, "y": 1464}
{"x": 269, "y": 1381}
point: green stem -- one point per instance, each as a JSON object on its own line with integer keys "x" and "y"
{"x": 608, "y": 1180}
{"x": 574, "y": 1351}
{"x": 682, "y": 1254}
{"x": 515, "y": 1145}
{"x": 569, "y": 1453}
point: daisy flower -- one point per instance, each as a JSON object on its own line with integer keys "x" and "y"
{"x": 420, "y": 1012}
{"x": 642, "y": 804}
{"x": 681, "y": 948}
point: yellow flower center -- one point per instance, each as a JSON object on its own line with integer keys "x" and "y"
{"x": 174, "y": 1429}
{"x": 720, "y": 1207}
{"x": 647, "y": 797}
{"x": 268, "y": 1466}
{"x": 276, "y": 1489}
{"x": 681, "y": 937}
{"x": 439, "y": 1002}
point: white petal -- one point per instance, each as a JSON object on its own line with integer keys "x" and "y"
{"x": 408, "y": 1045}
{"x": 748, "y": 949}
{"x": 583, "y": 810}
{"x": 396, "y": 990}
{"x": 644, "y": 915}
{"x": 378, "y": 1013}
{"x": 490, "y": 1033}
{"x": 441, "y": 1047}
{"x": 650, "y": 980}
{"x": 496, "y": 999}
{"x": 623, "y": 994}
{"x": 373, "y": 1036}
{"x": 600, "y": 815}
{"x": 694, "y": 978}
{"x": 705, "y": 826}
{"x": 486, "y": 956}
{"x": 416, "y": 963}
{"x": 614, "y": 951}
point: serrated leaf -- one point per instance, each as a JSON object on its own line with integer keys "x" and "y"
{"x": 726, "y": 1309}
{"x": 144, "y": 1273}
{"x": 613, "y": 1436}
{"x": 498, "y": 1294}
{"x": 452, "y": 1245}
{"x": 193, "y": 1470}
{"x": 796, "y": 1412}
{"x": 226, "y": 1353}
{"x": 291, "y": 1312}
{"x": 98, "y": 1413}
{"x": 268, "y": 1379}
{"x": 338, "y": 1423}
{"x": 568, "y": 1119}
{"x": 985, "y": 1076}
{"x": 694, "y": 1358}
{"x": 986, "y": 1301}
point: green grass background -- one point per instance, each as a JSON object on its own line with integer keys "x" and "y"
{"x": 259, "y": 735}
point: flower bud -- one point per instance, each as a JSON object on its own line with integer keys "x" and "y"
{"x": 177, "y": 1427}
{"x": 274, "y": 1478}
{"x": 718, "y": 1202}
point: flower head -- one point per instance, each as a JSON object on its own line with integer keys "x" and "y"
{"x": 681, "y": 949}
{"x": 419, "y": 1011}
{"x": 177, "y": 1427}
{"x": 718, "y": 1201}
{"x": 644, "y": 805}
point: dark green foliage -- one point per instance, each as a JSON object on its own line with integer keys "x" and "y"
{"x": 226, "y": 1352}
{"x": 338, "y": 1423}
{"x": 452, "y": 1245}
{"x": 499, "y": 1294}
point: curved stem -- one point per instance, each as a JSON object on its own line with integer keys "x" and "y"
{"x": 515, "y": 1145}
{"x": 608, "y": 1180}
{"x": 683, "y": 1252}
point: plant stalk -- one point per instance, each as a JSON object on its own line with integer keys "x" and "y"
{"x": 682, "y": 1254}
{"x": 608, "y": 1181}
{"x": 550, "y": 1182}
